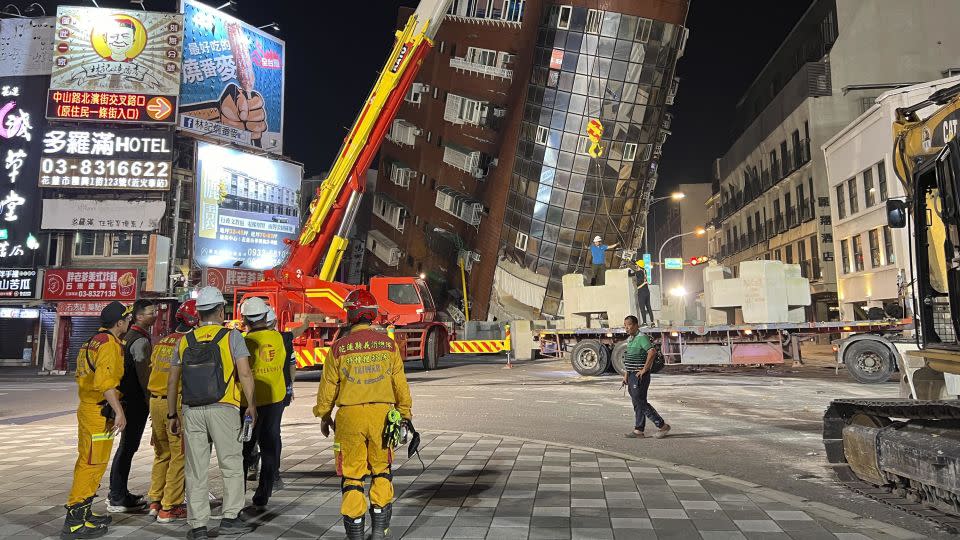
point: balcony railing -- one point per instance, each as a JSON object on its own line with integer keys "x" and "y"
{"x": 787, "y": 163}
{"x": 792, "y": 219}
{"x": 801, "y": 154}
{"x": 807, "y": 210}
{"x": 483, "y": 69}
{"x": 811, "y": 270}
{"x": 775, "y": 171}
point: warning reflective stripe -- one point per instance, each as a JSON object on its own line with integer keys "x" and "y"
{"x": 102, "y": 436}
{"x": 314, "y": 357}
{"x": 477, "y": 346}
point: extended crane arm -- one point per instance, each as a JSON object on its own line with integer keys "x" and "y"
{"x": 916, "y": 138}
{"x": 333, "y": 210}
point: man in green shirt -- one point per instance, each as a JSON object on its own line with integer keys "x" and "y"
{"x": 637, "y": 362}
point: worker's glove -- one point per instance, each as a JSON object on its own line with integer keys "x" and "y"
{"x": 326, "y": 424}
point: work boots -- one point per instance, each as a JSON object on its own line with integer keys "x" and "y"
{"x": 76, "y": 526}
{"x": 96, "y": 519}
{"x": 353, "y": 527}
{"x": 380, "y": 521}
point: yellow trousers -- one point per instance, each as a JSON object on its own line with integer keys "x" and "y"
{"x": 166, "y": 480}
{"x": 358, "y": 445}
{"x": 92, "y": 456}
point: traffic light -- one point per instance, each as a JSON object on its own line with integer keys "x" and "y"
{"x": 699, "y": 260}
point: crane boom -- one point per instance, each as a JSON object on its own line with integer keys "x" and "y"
{"x": 333, "y": 211}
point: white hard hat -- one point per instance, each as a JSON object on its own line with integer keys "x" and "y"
{"x": 254, "y": 308}
{"x": 209, "y": 298}
{"x": 597, "y": 239}
{"x": 271, "y": 315}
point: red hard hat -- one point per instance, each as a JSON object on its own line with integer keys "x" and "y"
{"x": 187, "y": 313}
{"x": 360, "y": 304}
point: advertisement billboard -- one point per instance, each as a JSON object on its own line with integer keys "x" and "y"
{"x": 21, "y": 123}
{"x": 91, "y": 284}
{"x": 115, "y": 65}
{"x": 106, "y": 159}
{"x": 26, "y": 46}
{"x": 246, "y": 205}
{"x": 232, "y": 86}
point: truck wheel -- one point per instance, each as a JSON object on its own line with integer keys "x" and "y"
{"x": 431, "y": 356}
{"x": 868, "y": 362}
{"x": 590, "y": 358}
{"x": 618, "y": 356}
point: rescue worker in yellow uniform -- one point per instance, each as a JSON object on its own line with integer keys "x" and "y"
{"x": 99, "y": 418}
{"x": 166, "y": 480}
{"x": 364, "y": 378}
{"x": 268, "y": 361}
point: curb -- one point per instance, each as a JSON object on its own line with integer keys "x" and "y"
{"x": 823, "y": 510}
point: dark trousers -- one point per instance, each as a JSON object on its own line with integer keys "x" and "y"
{"x": 643, "y": 300}
{"x": 642, "y": 409}
{"x": 136, "y": 412}
{"x": 597, "y": 273}
{"x": 266, "y": 435}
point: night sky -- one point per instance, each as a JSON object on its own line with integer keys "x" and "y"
{"x": 334, "y": 50}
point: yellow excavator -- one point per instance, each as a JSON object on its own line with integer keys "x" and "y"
{"x": 906, "y": 452}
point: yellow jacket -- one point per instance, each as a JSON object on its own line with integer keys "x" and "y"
{"x": 364, "y": 367}
{"x": 268, "y": 360}
{"x": 160, "y": 363}
{"x": 99, "y": 367}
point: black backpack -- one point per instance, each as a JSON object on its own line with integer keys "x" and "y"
{"x": 202, "y": 371}
{"x": 658, "y": 362}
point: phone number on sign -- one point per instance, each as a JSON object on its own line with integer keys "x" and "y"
{"x": 104, "y": 173}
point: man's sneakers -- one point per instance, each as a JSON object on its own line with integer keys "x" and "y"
{"x": 200, "y": 533}
{"x": 229, "y": 527}
{"x": 662, "y": 432}
{"x": 130, "y": 503}
{"x": 154, "y": 508}
{"x": 168, "y": 516}
{"x": 77, "y": 526}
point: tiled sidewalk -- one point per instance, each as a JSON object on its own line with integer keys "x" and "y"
{"x": 474, "y": 486}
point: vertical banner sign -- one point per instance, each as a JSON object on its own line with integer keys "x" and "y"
{"x": 648, "y": 267}
{"x": 232, "y": 86}
{"x": 26, "y": 46}
{"x": 246, "y": 207}
{"x": 21, "y": 130}
{"x": 114, "y": 65}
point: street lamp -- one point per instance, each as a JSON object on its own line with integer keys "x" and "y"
{"x": 699, "y": 231}
{"x": 675, "y": 196}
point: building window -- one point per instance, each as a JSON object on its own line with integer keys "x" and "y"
{"x": 643, "y": 30}
{"x": 844, "y": 256}
{"x": 543, "y": 134}
{"x": 788, "y": 251}
{"x": 882, "y": 180}
{"x": 888, "y": 245}
{"x": 841, "y": 203}
{"x": 777, "y": 255}
{"x": 857, "y": 253}
{"x": 629, "y": 151}
{"x": 852, "y": 194}
{"x": 583, "y": 145}
{"x": 521, "y": 242}
{"x": 563, "y": 23}
{"x": 869, "y": 192}
{"x": 89, "y": 244}
{"x": 874, "y": 239}
{"x": 594, "y": 20}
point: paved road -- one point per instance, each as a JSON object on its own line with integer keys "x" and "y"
{"x": 758, "y": 425}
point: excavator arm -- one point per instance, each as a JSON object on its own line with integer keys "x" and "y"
{"x": 333, "y": 210}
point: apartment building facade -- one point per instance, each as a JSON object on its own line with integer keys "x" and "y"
{"x": 774, "y": 200}
{"x": 500, "y": 110}
{"x": 873, "y": 268}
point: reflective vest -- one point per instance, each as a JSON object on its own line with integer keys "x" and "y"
{"x": 99, "y": 367}
{"x": 160, "y": 364}
{"x": 207, "y": 333}
{"x": 268, "y": 362}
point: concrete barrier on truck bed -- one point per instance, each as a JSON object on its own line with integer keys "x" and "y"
{"x": 617, "y": 298}
{"x": 765, "y": 292}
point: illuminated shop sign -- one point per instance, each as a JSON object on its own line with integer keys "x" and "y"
{"x": 115, "y": 65}
{"x": 106, "y": 159}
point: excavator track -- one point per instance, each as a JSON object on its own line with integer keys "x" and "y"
{"x": 878, "y": 415}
